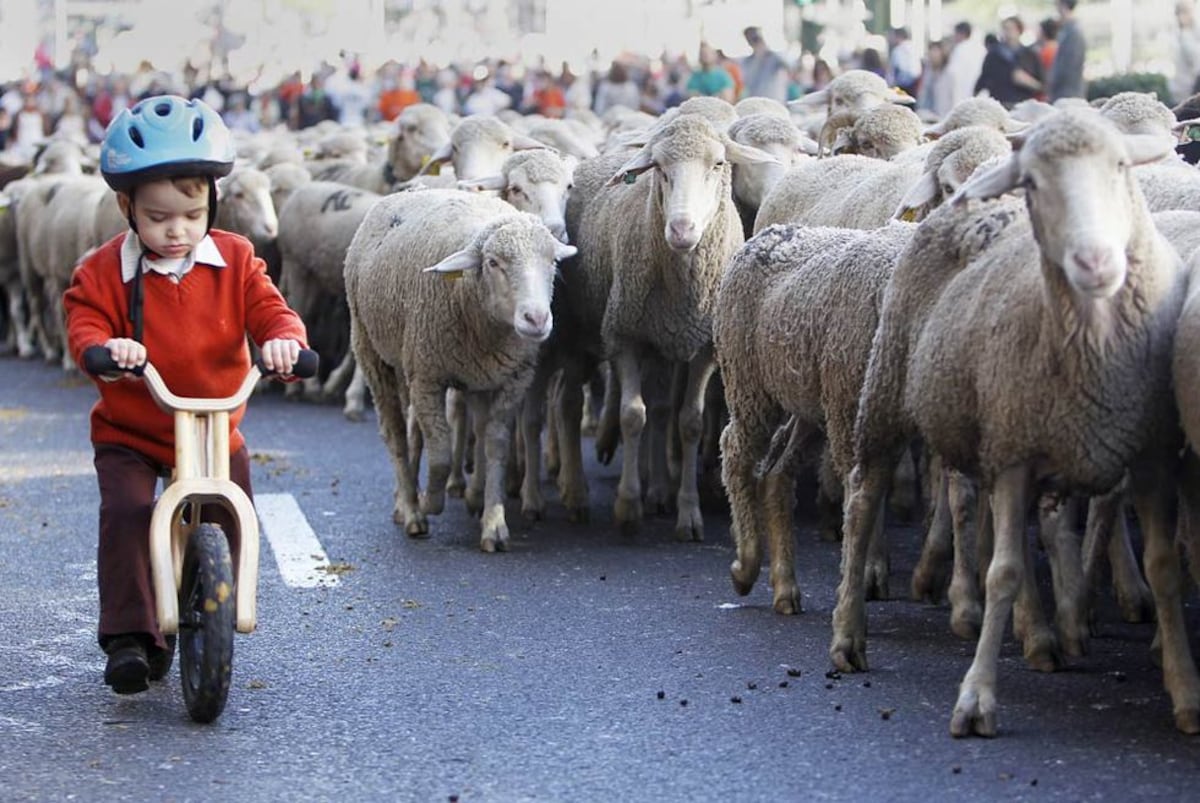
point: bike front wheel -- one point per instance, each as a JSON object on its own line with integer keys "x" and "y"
{"x": 206, "y": 623}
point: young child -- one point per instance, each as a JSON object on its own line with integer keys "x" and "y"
{"x": 176, "y": 292}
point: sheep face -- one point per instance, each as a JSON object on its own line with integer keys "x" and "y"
{"x": 1082, "y": 198}
{"x": 246, "y": 205}
{"x": 691, "y": 175}
{"x": 418, "y": 137}
{"x": 540, "y": 193}
{"x": 514, "y": 259}
{"x": 479, "y": 146}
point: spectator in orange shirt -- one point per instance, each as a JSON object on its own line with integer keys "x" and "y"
{"x": 399, "y": 92}
{"x": 735, "y": 72}
{"x": 545, "y": 96}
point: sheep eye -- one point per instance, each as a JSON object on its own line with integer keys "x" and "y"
{"x": 492, "y": 263}
{"x": 718, "y": 165}
{"x": 1029, "y": 183}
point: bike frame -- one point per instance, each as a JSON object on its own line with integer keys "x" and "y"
{"x": 201, "y": 477}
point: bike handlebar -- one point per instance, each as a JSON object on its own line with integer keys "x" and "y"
{"x": 97, "y": 360}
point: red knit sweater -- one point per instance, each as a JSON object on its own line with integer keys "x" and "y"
{"x": 194, "y": 332}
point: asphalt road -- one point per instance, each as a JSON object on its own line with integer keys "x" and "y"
{"x": 580, "y": 666}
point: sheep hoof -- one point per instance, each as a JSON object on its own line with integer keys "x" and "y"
{"x": 743, "y": 575}
{"x": 418, "y": 527}
{"x": 658, "y": 501}
{"x": 849, "y": 654}
{"x": 1188, "y": 721}
{"x": 787, "y": 601}
{"x": 875, "y": 582}
{"x": 578, "y": 514}
{"x": 628, "y": 513}
{"x": 495, "y": 541}
{"x": 456, "y": 486}
{"x": 433, "y": 504}
{"x": 929, "y": 583}
{"x": 353, "y": 414}
{"x": 689, "y": 526}
{"x": 1042, "y": 652}
{"x": 533, "y": 510}
{"x": 972, "y": 718}
{"x": 474, "y": 502}
{"x": 606, "y": 448}
{"x": 966, "y": 621}
{"x": 1137, "y": 608}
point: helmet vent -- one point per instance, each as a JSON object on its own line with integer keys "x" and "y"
{"x": 136, "y": 136}
{"x": 162, "y": 109}
{"x": 197, "y": 129}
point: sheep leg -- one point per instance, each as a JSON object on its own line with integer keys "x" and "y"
{"x": 473, "y": 496}
{"x": 572, "y": 482}
{"x": 1101, "y": 520}
{"x": 416, "y": 443}
{"x": 492, "y": 415}
{"x": 533, "y": 418}
{"x": 866, "y": 488}
{"x": 429, "y": 409}
{"x": 456, "y": 414}
{"x": 1062, "y": 549}
{"x": 929, "y": 577}
{"x": 742, "y": 440}
{"x": 975, "y": 711}
{"x": 356, "y": 396}
{"x": 550, "y": 400}
{"x": 514, "y": 464}
{"x": 303, "y": 295}
{"x": 339, "y": 377}
{"x": 672, "y": 457}
{"x": 388, "y": 389}
{"x": 779, "y": 496}
{"x": 18, "y": 320}
{"x": 1040, "y": 643}
{"x": 690, "y": 524}
{"x": 1189, "y": 512}
{"x": 627, "y": 509}
{"x": 966, "y": 611}
{"x": 878, "y": 567}
{"x": 1133, "y": 595}
{"x": 608, "y": 431}
{"x": 716, "y": 414}
{"x": 655, "y": 474}
{"x": 830, "y": 499}
{"x": 1151, "y": 491}
{"x": 59, "y": 313}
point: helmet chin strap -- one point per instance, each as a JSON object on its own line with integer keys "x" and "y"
{"x": 137, "y": 313}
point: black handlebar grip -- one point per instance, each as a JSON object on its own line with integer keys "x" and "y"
{"x": 306, "y": 365}
{"x": 98, "y": 360}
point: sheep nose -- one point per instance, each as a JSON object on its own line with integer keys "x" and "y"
{"x": 536, "y": 318}
{"x": 682, "y": 234}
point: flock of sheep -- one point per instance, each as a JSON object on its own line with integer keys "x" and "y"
{"x": 1004, "y": 294}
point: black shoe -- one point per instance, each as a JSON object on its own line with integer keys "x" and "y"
{"x": 128, "y": 670}
{"x": 160, "y": 660}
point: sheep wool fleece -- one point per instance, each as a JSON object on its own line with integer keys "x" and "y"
{"x": 194, "y": 331}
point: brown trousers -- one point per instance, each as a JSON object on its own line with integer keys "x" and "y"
{"x": 128, "y": 483}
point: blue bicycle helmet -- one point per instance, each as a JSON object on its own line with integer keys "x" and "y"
{"x": 162, "y": 137}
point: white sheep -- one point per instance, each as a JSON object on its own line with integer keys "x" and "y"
{"x": 478, "y": 147}
{"x": 416, "y": 333}
{"x": 795, "y": 316}
{"x": 1030, "y": 348}
{"x": 774, "y": 135}
{"x": 651, "y": 255}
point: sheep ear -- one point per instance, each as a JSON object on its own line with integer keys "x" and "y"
{"x": 640, "y": 163}
{"x": 631, "y": 139}
{"x": 521, "y": 142}
{"x": 808, "y": 145}
{"x": 897, "y": 95}
{"x": 432, "y": 166}
{"x": 486, "y": 183}
{"x": 920, "y": 194}
{"x": 842, "y": 142}
{"x": 991, "y": 183}
{"x": 563, "y": 251}
{"x": 746, "y": 154}
{"x": 809, "y": 101}
{"x": 1184, "y": 125}
{"x": 458, "y": 263}
{"x": 935, "y": 131}
{"x": 1012, "y": 126}
{"x": 1145, "y": 148}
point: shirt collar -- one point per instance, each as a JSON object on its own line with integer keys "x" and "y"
{"x": 205, "y": 253}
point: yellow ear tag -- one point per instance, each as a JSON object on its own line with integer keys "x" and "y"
{"x": 436, "y": 170}
{"x": 910, "y": 215}
{"x": 451, "y": 275}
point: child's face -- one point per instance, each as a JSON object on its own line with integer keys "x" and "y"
{"x": 169, "y": 222}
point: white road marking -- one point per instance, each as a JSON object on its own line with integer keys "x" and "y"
{"x": 301, "y": 558}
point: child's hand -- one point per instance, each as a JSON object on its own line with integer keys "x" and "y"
{"x": 280, "y": 355}
{"x": 126, "y": 353}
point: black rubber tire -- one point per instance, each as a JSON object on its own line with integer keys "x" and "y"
{"x": 206, "y": 623}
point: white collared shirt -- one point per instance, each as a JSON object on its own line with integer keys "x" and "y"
{"x": 205, "y": 253}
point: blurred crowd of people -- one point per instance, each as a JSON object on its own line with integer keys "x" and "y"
{"x": 1010, "y": 64}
